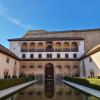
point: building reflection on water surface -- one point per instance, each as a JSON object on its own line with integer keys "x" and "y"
{"x": 50, "y": 90}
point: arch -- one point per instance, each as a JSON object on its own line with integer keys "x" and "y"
{"x": 67, "y": 66}
{"x": 58, "y": 47}
{"x": 59, "y": 66}
{"x": 24, "y": 47}
{"x": 32, "y": 47}
{"x": 74, "y": 47}
{"x": 6, "y": 73}
{"x": 66, "y": 47}
{"x": 49, "y": 47}
{"x": 58, "y": 71}
{"x": 49, "y": 71}
{"x": 67, "y": 70}
{"x": 40, "y": 46}
{"x": 75, "y": 71}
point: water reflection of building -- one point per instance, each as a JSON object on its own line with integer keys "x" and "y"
{"x": 37, "y": 50}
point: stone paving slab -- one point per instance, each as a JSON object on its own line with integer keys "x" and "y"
{"x": 93, "y": 92}
{"x": 13, "y": 89}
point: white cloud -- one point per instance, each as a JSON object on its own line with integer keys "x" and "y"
{"x": 4, "y": 13}
{"x": 18, "y": 23}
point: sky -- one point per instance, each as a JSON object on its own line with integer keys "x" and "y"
{"x": 19, "y": 16}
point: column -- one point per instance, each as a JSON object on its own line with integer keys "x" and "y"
{"x": 36, "y": 46}
{"x": 70, "y": 46}
{"x": 54, "y": 46}
{"x": 62, "y": 46}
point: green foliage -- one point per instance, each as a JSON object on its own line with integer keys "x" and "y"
{"x": 6, "y": 83}
{"x": 89, "y": 82}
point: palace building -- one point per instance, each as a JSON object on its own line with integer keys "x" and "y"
{"x": 56, "y": 54}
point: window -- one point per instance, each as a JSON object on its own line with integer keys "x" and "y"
{"x": 74, "y": 47}
{"x": 58, "y": 55}
{"x": 92, "y": 74}
{"x": 24, "y": 47}
{"x": 49, "y": 55}
{"x": 39, "y": 66}
{"x": 23, "y": 56}
{"x": 7, "y": 60}
{"x": 23, "y": 66}
{"x": 74, "y": 55}
{"x": 31, "y": 56}
{"x": 90, "y": 59}
{"x": 40, "y": 56}
{"x": 66, "y": 56}
{"x": 84, "y": 70}
{"x": 15, "y": 62}
{"x": 31, "y": 66}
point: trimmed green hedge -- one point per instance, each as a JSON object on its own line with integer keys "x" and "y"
{"x": 6, "y": 83}
{"x": 89, "y": 82}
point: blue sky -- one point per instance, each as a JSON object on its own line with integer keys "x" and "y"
{"x": 19, "y": 16}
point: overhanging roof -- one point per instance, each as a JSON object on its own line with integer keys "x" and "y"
{"x": 6, "y": 51}
{"x": 46, "y": 39}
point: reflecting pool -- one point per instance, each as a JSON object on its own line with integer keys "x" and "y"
{"x": 50, "y": 90}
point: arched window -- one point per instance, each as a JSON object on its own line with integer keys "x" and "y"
{"x": 74, "y": 47}
{"x": 49, "y": 47}
{"x": 66, "y": 47}
{"x": 24, "y": 47}
{"x": 32, "y": 47}
{"x": 40, "y": 47}
{"x": 58, "y": 47}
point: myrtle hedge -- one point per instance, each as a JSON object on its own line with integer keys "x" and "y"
{"x": 88, "y": 82}
{"x": 6, "y": 83}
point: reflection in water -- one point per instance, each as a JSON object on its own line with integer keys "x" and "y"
{"x": 50, "y": 90}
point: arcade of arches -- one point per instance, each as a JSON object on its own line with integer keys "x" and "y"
{"x": 59, "y": 68}
{"x": 50, "y": 46}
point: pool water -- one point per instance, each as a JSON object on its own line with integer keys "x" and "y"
{"x": 50, "y": 90}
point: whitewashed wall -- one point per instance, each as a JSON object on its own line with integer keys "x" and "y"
{"x": 10, "y": 66}
{"x": 15, "y": 48}
{"x": 93, "y": 65}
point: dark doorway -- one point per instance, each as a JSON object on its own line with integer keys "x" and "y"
{"x": 49, "y": 72}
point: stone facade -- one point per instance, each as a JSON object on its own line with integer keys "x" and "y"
{"x": 69, "y": 68}
{"x": 39, "y": 49}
